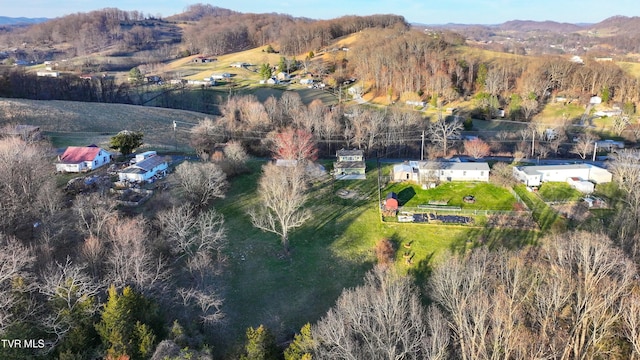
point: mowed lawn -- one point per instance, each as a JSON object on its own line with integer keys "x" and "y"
{"x": 329, "y": 253}
{"x": 487, "y": 196}
{"x": 558, "y": 191}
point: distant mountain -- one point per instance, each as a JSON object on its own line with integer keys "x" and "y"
{"x": 527, "y": 25}
{"x": 618, "y": 25}
{"x": 5, "y": 20}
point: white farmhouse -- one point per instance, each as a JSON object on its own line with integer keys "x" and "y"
{"x": 82, "y": 158}
{"x": 536, "y": 175}
{"x": 144, "y": 170}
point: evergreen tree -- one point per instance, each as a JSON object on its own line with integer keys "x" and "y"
{"x": 265, "y": 71}
{"x": 127, "y": 323}
{"x": 135, "y": 76}
{"x": 261, "y": 345}
{"x": 302, "y": 345}
{"x": 126, "y": 141}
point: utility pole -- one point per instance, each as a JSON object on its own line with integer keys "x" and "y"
{"x": 175, "y": 136}
{"x": 379, "y": 188}
{"x": 595, "y": 148}
{"x": 533, "y": 141}
{"x": 422, "y": 147}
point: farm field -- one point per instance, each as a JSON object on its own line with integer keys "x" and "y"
{"x": 330, "y": 252}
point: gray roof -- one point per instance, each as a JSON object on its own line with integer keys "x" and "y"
{"x": 349, "y": 165}
{"x": 462, "y": 166}
{"x": 534, "y": 170}
{"x": 145, "y": 165}
{"x": 353, "y": 152}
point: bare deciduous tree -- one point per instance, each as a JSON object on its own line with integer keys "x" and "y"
{"x": 584, "y": 146}
{"x": 443, "y": 133}
{"x": 207, "y": 301}
{"x": 189, "y": 233}
{"x": 205, "y": 136}
{"x": 563, "y": 301}
{"x": 201, "y": 182}
{"x": 529, "y": 107}
{"x": 294, "y": 144}
{"x": 71, "y": 294}
{"x": 631, "y": 321}
{"x": 477, "y": 148}
{"x": 235, "y": 157}
{"x": 130, "y": 260}
{"x": 282, "y": 192}
{"x": 92, "y": 251}
{"x": 15, "y": 263}
{"x": 24, "y": 171}
{"x": 385, "y": 321}
{"x": 94, "y": 211}
{"x": 625, "y": 168}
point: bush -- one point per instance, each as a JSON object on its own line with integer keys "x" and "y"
{"x": 468, "y": 124}
{"x": 385, "y": 252}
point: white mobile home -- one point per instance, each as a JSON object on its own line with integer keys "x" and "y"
{"x": 423, "y": 172}
{"x": 536, "y": 175}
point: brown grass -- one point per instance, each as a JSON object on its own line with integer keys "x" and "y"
{"x": 80, "y": 123}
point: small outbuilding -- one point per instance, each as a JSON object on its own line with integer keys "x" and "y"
{"x": 584, "y": 186}
{"x": 391, "y": 202}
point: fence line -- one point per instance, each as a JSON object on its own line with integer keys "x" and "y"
{"x": 459, "y": 211}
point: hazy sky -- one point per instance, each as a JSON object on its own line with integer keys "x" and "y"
{"x": 419, "y": 11}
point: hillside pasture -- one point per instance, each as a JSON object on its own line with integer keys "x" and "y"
{"x": 78, "y": 123}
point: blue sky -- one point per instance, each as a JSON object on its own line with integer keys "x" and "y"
{"x": 420, "y": 11}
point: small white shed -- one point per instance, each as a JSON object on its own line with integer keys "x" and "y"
{"x": 584, "y": 186}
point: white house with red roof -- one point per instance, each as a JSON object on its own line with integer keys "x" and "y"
{"x": 82, "y": 158}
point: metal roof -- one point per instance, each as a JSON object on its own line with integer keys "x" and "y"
{"x": 78, "y": 154}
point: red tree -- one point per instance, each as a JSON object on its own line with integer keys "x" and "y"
{"x": 295, "y": 144}
{"x": 477, "y": 148}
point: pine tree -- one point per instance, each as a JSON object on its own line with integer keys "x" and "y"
{"x": 301, "y": 346}
{"x": 261, "y": 345}
{"x": 115, "y": 327}
{"x": 126, "y": 141}
{"x": 126, "y": 326}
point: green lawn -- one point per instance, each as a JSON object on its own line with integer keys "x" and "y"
{"x": 331, "y": 252}
{"x": 545, "y": 216}
{"x": 487, "y": 196}
{"x": 559, "y": 191}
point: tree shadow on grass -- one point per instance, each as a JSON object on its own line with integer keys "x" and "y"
{"x": 493, "y": 239}
{"x": 423, "y": 269}
{"x": 406, "y": 195}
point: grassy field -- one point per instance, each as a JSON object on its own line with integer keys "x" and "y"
{"x": 557, "y": 114}
{"x": 80, "y": 123}
{"x": 547, "y": 218}
{"x": 332, "y": 251}
{"x": 558, "y": 191}
{"x": 487, "y": 196}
